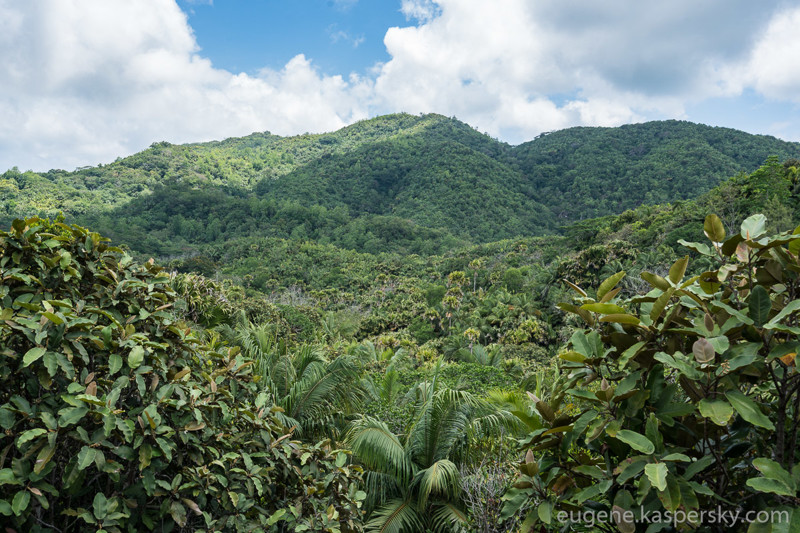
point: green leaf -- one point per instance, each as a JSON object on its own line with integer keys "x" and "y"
{"x": 671, "y": 496}
{"x": 656, "y": 281}
{"x": 136, "y": 357}
{"x": 714, "y": 228}
{"x": 32, "y": 355}
{"x": 629, "y": 354}
{"x": 573, "y": 357}
{"x": 698, "y": 466}
{"x": 636, "y": 441}
{"x": 85, "y": 457}
{"x": 51, "y": 363}
{"x": 700, "y": 248}
{"x": 593, "y": 491}
{"x": 773, "y": 470}
{"x": 621, "y": 318}
{"x": 763, "y": 484}
{"x": 754, "y": 227}
{"x": 29, "y": 435}
{"x": 631, "y": 470}
{"x": 6, "y": 418}
{"x": 790, "y": 308}
{"x": 277, "y": 515}
{"x": 719, "y": 411}
{"x": 20, "y": 502}
{"x": 100, "y": 506}
{"x": 7, "y": 477}
{"x": 585, "y": 344}
{"x": 545, "y": 512}
{"x": 609, "y": 284}
{"x": 759, "y": 305}
{"x": 748, "y": 410}
{"x": 72, "y": 415}
{"x": 603, "y": 309}
{"x": 678, "y": 269}
{"x": 178, "y": 513}
{"x": 679, "y": 457}
{"x": 114, "y": 363}
{"x": 145, "y": 456}
{"x": 660, "y": 304}
{"x": 583, "y": 421}
{"x": 657, "y": 474}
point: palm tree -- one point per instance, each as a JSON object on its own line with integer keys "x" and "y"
{"x": 413, "y": 480}
{"x": 317, "y": 395}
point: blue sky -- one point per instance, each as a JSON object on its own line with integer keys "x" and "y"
{"x": 84, "y": 82}
{"x": 340, "y": 37}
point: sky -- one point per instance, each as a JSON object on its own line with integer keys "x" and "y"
{"x": 83, "y": 82}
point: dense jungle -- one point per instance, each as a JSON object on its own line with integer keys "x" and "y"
{"x": 405, "y": 326}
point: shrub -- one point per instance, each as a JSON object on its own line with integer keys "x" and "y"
{"x": 116, "y": 418}
{"x": 690, "y": 394}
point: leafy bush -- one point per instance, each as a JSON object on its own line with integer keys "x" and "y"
{"x": 690, "y": 394}
{"x": 116, "y": 418}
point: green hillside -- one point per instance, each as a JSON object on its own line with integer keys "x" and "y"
{"x": 406, "y": 183}
{"x": 312, "y": 359}
{"x": 589, "y": 172}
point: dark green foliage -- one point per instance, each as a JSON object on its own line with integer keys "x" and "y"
{"x": 409, "y": 184}
{"x": 589, "y": 172}
{"x": 117, "y": 418}
{"x": 689, "y": 394}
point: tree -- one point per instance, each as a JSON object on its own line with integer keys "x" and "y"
{"x": 316, "y": 394}
{"x": 117, "y": 417}
{"x": 413, "y": 482}
{"x": 689, "y": 394}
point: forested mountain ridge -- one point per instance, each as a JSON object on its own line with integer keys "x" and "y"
{"x": 415, "y": 184}
{"x": 334, "y": 378}
{"x": 589, "y": 172}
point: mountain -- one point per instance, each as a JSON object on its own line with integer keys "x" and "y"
{"x": 413, "y": 184}
{"x": 584, "y": 173}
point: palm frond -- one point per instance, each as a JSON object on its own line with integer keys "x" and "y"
{"x": 397, "y": 516}
{"x": 307, "y": 356}
{"x": 447, "y": 518}
{"x": 379, "y": 449}
{"x": 441, "y": 480}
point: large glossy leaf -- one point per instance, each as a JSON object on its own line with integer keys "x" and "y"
{"x": 32, "y": 355}
{"x": 605, "y": 309}
{"x": 678, "y": 269}
{"x": 773, "y": 470}
{"x": 713, "y": 228}
{"x": 754, "y": 227}
{"x": 759, "y": 305}
{"x": 656, "y": 281}
{"x": 718, "y": 411}
{"x": 749, "y": 410}
{"x": 763, "y": 484}
{"x": 136, "y": 357}
{"x": 657, "y": 474}
{"x": 636, "y": 441}
{"x": 609, "y": 284}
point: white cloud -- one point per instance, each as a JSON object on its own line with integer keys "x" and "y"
{"x": 422, "y": 10}
{"x": 85, "y": 81}
{"x": 516, "y": 68}
{"x": 773, "y": 68}
{"x": 341, "y": 35}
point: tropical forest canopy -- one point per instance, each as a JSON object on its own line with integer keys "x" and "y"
{"x": 404, "y": 326}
